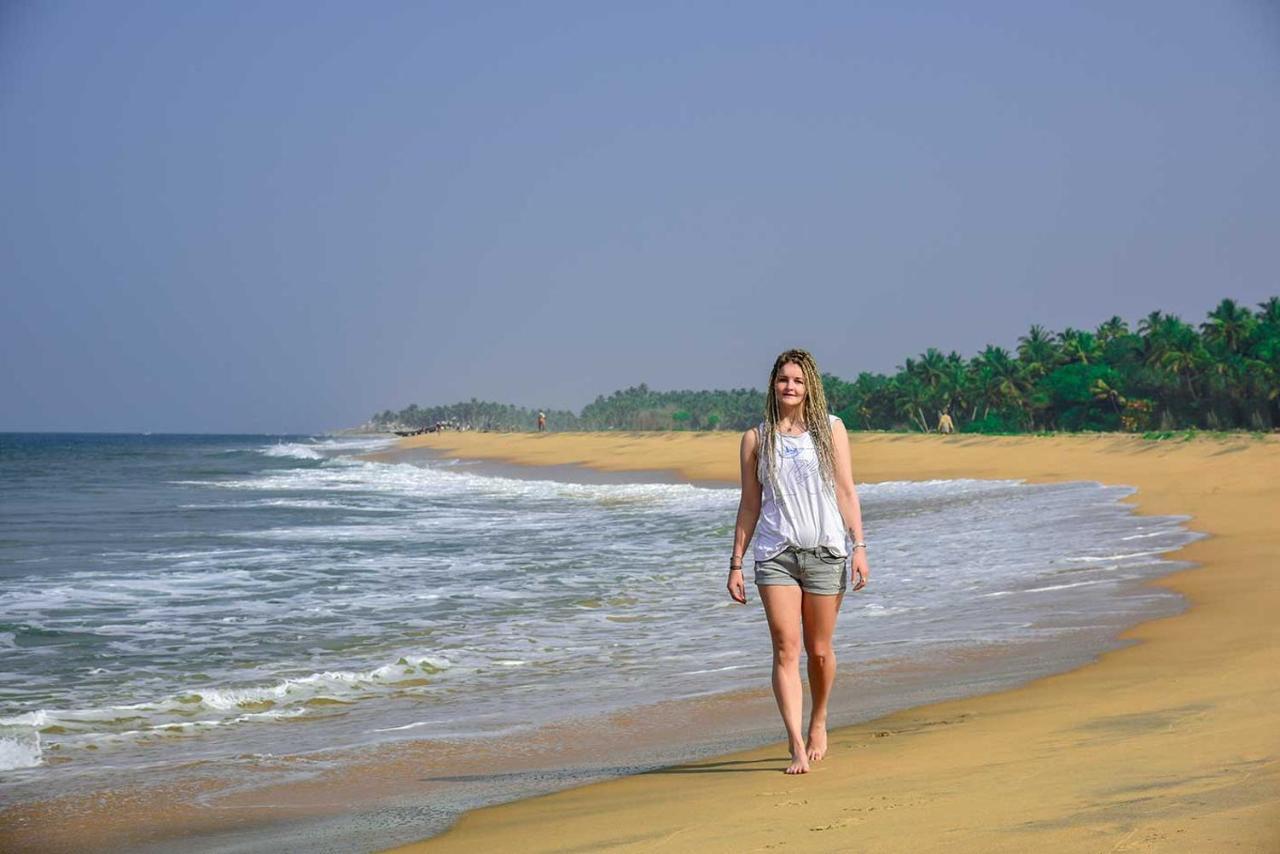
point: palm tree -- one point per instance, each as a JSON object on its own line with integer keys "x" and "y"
{"x": 932, "y": 369}
{"x": 956, "y": 386}
{"x": 908, "y": 395}
{"x": 998, "y": 378}
{"x": 1151, "y": 323}
{"x": 1102, "y": 390}
{"x": 1261, "y": 383}
{"x": 1183, "y": 362}
{"x": 1163, "y": 333}
{"x": 1269, "y": 312}
{"x": 1037, "y": 352}
{"x": 1079, "y": 346}
{"x": 1112, "y": 329}
{"x": 1228, "y": 327}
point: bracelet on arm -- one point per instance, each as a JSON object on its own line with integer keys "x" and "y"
{"x": 858, "y": 545}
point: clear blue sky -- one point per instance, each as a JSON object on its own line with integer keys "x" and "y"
{"x": 286, "y": 216}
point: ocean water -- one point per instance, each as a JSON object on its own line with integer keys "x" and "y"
{"x": 169, "y": 599}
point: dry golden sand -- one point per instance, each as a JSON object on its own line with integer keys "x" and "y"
{"x": 1169, "y": 744}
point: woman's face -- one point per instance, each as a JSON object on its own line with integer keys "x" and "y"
{"x": 789, "y": 385}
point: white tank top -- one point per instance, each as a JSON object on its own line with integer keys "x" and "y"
{"x": 807, "y": 516}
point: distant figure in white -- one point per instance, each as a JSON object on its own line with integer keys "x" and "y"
{"x": 944, "y": 422}
{"x": 797, "y": 483}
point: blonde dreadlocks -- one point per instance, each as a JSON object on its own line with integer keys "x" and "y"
{"x": 815, "y": 418}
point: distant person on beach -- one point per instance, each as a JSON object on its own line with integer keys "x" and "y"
{"x": 797, "y": 483}
{"x": 944, "y": 422}
{"x": 542, "y": 422}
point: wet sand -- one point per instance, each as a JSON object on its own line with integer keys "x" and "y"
{"x": 1171, "y": 743}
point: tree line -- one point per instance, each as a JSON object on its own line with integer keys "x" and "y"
{"x": 1163, "y": 374}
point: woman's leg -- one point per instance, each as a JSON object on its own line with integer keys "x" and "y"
{"x": 782, "y": 608}
{"x": 819, "y": 615}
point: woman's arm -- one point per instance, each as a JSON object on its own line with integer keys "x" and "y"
{"x": 847, "y": 499}
{"x": 748, "y": 515}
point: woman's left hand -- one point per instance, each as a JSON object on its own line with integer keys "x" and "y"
{"x": 860, "y": 570}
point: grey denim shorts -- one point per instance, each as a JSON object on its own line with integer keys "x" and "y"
{"x": 818, "y": 570}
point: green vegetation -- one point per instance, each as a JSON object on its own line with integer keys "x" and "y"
{"x": 475, "y": 414}
{"x": 1166, "y": 380}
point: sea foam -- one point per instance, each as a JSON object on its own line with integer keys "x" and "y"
{"x": 20, "y": 750}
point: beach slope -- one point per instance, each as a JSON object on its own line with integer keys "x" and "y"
{"x": 1171, "y": 743}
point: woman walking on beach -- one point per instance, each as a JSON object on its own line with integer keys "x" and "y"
{"x": 797, "y": 483}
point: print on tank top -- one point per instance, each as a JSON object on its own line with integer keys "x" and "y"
{"x": 805, "y": 467}
{"x": 803, "y": 511}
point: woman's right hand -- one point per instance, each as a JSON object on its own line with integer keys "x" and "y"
{"x": 737, "y": 587}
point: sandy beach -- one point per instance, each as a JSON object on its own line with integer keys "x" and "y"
{"x": 1171, "y": 743}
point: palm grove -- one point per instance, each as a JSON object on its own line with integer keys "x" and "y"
{"x": 1164, "y": 374}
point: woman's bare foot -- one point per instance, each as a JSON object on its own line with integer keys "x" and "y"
{"x": 817, "y": 746}
{"x": 799, "y": 761}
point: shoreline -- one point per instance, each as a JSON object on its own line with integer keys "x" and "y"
{"x": 1098, "y": 754}
{"x": 560, "y": 472}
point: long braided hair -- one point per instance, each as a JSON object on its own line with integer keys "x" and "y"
{"x": 815, "y": 418}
